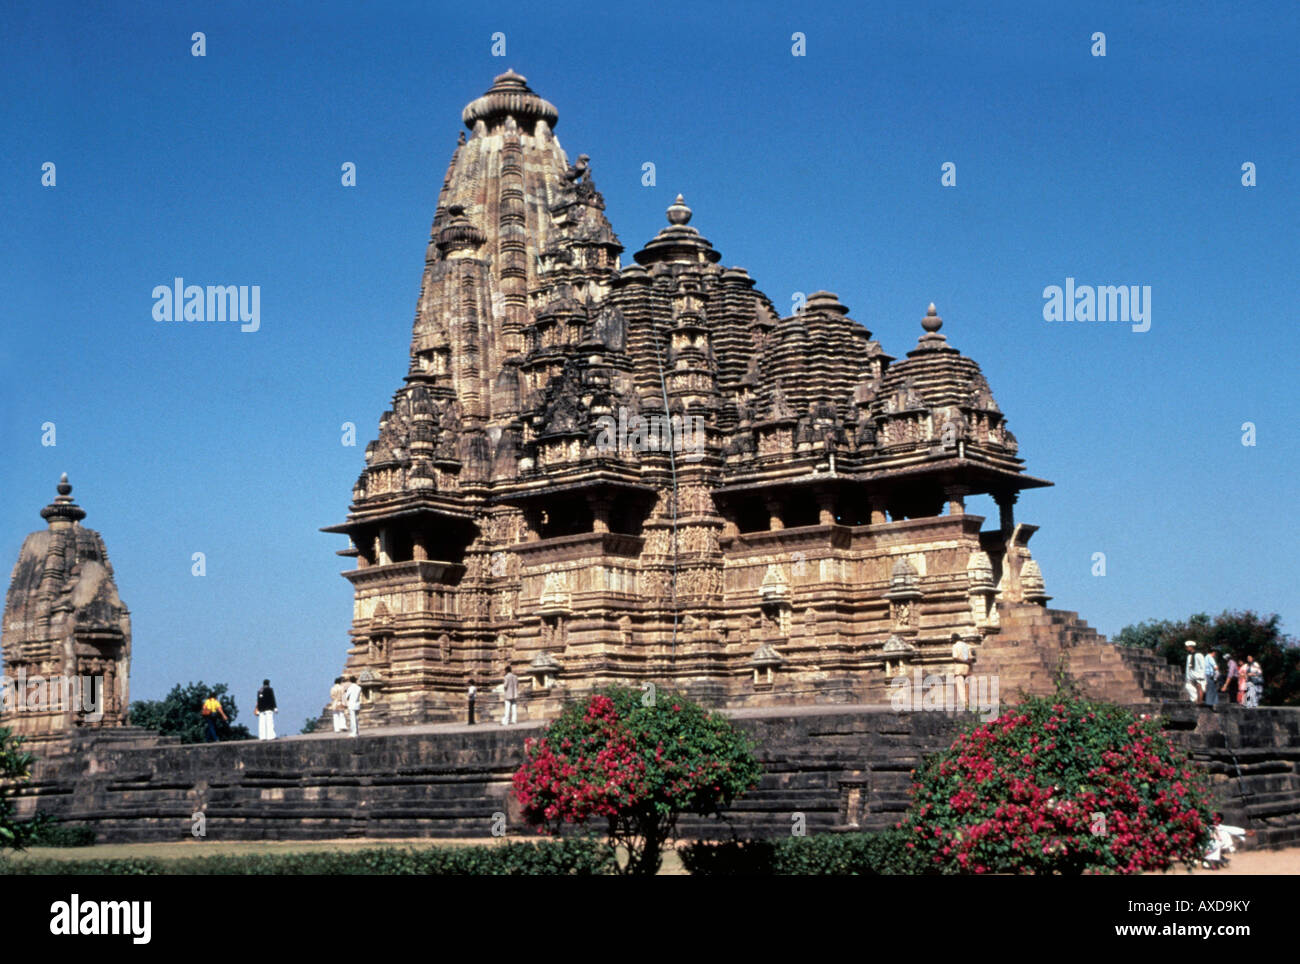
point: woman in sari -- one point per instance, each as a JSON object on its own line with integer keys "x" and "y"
{"x": 1243, "y": 674}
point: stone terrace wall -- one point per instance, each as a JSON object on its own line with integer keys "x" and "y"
{"x": 843, "y": 767}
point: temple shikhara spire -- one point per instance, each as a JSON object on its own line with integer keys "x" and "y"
{"x": 597, "y": 471}
{"x": 66, "y": 639}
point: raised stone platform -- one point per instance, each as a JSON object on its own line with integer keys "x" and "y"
{"x": 845, "y": 767}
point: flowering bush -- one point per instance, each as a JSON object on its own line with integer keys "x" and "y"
{"x": 1059, "y": 786}
{"x": 635, "y": 766}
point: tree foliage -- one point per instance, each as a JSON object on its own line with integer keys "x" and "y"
{"x": 15, "y": 767}
{"x": 638, "y": 767}
{"x": 178, "y": 714}
{"x": 1059, "y": 785}
{"x": 1231, "y": 633}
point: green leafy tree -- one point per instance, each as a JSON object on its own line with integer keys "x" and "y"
{"x": 179, "y": 713}
{"x": 15, "y": 767}
{"x": 1059, "y": 785}
{"x": 1230, "y": 633}
{"x": 311, "y": 725}
{"x": 637, "y": 767}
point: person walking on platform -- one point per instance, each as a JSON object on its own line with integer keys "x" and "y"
{"x": 210, "y": 711}
{"x": 510, "y": 691}
{"x": 353, "y": 700}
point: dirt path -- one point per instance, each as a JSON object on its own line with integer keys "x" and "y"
{"x": 1254, "y": 862}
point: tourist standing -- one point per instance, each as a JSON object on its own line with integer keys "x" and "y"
{"x": 1211, "y": 679}
{"x": 1254, "y": 681}
{"x": 510, "y": 690}
{"x": 337, "y": 706}
{"x": 962, "y": 657}
{"x": 352, "y": 697}
{"x": 210, "y": 710}
{"x": 1194, "y": 673}
{"x": 265, "y": 711}
{"x": 1243, "y": 671}
{"x": 1229, "y": 687}
{"x": 472, "y": 693}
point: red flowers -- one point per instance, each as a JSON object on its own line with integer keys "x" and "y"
{"x": 1024, "y": 793}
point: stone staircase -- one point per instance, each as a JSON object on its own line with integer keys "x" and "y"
{"x": 1035, "y": 643}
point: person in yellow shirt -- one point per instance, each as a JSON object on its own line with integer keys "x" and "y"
{"x": 211, "y": 710}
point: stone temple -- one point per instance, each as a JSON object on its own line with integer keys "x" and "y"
{"x": 638, "y": 473}
{"x": 642, "y": 472}
{"x": 66, "y": 640}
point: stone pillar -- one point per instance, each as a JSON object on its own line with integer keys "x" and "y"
{"x": 419, "y": 548}
{"x": 956, "y": 496}
{"x": 878, "y": 516}
{"x": 826, "y": 510}
{"x": 600, "y": 514}
{"x": 775, "y": 522}
{"x": 1006, "y": 510}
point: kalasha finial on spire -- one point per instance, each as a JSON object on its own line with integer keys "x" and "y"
{"x": 678, "y": 212}
{"x": 63, "y": 510}
{"x": 932, "y": 322}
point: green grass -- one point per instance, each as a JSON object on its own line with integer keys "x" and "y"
{"x": 199, "y": 848}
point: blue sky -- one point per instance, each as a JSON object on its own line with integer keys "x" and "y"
{"x": 812, "y": 172}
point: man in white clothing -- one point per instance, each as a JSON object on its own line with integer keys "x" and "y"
{"x": 510, "y": 690}
{"x": 1194, "y": 674}
{"x": 353, "y": 700}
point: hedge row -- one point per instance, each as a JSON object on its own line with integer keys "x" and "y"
{"x": 576, "y": 856}
{"x": 43, "y": 832}
{"x": 827, "y": 854}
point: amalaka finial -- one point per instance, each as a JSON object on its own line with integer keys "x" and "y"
{"x": 678, "y": 212}
{"x": 932, "y": 322}
{"x": 64, "y": 487}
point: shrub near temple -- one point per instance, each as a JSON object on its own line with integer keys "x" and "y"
{"x": 637, "y": 767}
{"x": 15, "y": 766}
{"x": 1059, "y": 786}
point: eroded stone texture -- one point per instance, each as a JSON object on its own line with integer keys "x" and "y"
{"x": 515, "y": 506}
{"x": 67, "y": 635}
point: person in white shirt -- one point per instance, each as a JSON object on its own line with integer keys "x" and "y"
{"x": 337, "y": 705}
{"x": 352, "y": 698}
{"x": 1194, "y": 674}
{"x": 510, "y": 692}
{"x": 1211, "y": 679}
{"x": 962, "y": 657}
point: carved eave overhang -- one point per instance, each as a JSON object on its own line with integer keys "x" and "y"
{"x": 423, "y": 571}
{"x": 977, "y": 474}
{"x": 980, "y": 475}
{"x": 368, "y": 516}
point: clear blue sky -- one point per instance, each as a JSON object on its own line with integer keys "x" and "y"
{"x": 812, "y": 172}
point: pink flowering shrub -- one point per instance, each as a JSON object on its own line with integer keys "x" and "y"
{"x": 635, "y": 767}
{"x": 1059, "y": 786}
